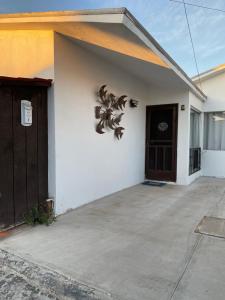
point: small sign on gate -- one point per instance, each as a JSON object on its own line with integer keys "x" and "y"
{"x": 26, "y": 113}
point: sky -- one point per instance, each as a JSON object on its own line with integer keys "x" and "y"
{"x": 164, "y": 19}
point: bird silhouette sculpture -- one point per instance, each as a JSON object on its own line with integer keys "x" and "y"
{"x": 108, "y": 112}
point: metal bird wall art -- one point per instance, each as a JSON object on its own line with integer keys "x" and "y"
{"x": 108, "y": 112}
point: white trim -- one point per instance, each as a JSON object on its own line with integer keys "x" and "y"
{"x": 65, "y": 13}
{"x": 210, "y": 73}
{"x": 111, "y": 18}
{"x": 195, "y": 109}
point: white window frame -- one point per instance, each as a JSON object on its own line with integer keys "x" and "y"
{"x": 204, "y": 131}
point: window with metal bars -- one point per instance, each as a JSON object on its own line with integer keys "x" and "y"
{"x": 195, "y": 149}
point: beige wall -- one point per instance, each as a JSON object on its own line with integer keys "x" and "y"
{"x": 26, "y": 53}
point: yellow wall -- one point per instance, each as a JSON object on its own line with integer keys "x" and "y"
{"x": 27, "y": 53}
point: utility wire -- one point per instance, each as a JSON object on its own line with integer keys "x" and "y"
{"x": 200, "y": 6}
{"x": 192, "y": 43}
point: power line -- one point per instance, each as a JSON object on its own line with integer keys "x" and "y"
{"x": 200, "y": 6}
{"x": 192, "y": 43}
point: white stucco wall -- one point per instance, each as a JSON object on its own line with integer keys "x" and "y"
{"x": 214, "y": 88}
{"x": 89, "y": 165}
{"x": 214, "y": 161}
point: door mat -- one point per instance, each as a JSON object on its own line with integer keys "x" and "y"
{"x": 212, "y": 226}
{"x": 154, "y": 183}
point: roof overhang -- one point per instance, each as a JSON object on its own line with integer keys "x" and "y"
{"x": 88, "y": 26}
{"x": 209, "y": 74}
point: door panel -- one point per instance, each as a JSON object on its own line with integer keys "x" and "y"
{"x": 19, "y": 155}
{"x": 6, "y": 159}
{"x": 32, "y": 153}
{"x": 23, "y": 153}
{"x": 42, "y": 146}
{"x": 161, "y": 142}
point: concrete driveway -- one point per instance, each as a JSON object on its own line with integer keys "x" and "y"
{"x": 136, "y": 244}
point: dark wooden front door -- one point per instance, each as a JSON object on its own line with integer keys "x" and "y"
{"x": 161, "y": 142}
{"x": 23, "y": 152}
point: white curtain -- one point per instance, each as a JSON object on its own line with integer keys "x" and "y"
{"x": 214, "y": 131}
{"x": 194, "y": 129}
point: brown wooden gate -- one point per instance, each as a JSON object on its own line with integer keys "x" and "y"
{"x": 23, "y": 150}
{"x": 161, "y": 142}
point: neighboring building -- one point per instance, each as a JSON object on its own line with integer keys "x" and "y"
{"x": 80, "y": 51}
{"x": 212, "y": 83}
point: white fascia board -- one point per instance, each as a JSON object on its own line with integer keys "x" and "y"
{"x": 59, "y": 13}
{"x": 207, "y": 75}
{"x": 133, "y": 25}
{"x": 65, "y": 19}
{"x": 101, "y": 16}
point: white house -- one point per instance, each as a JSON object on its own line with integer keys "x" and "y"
{"x": 58, "y": 153}
{"x": 213, "y": 156}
